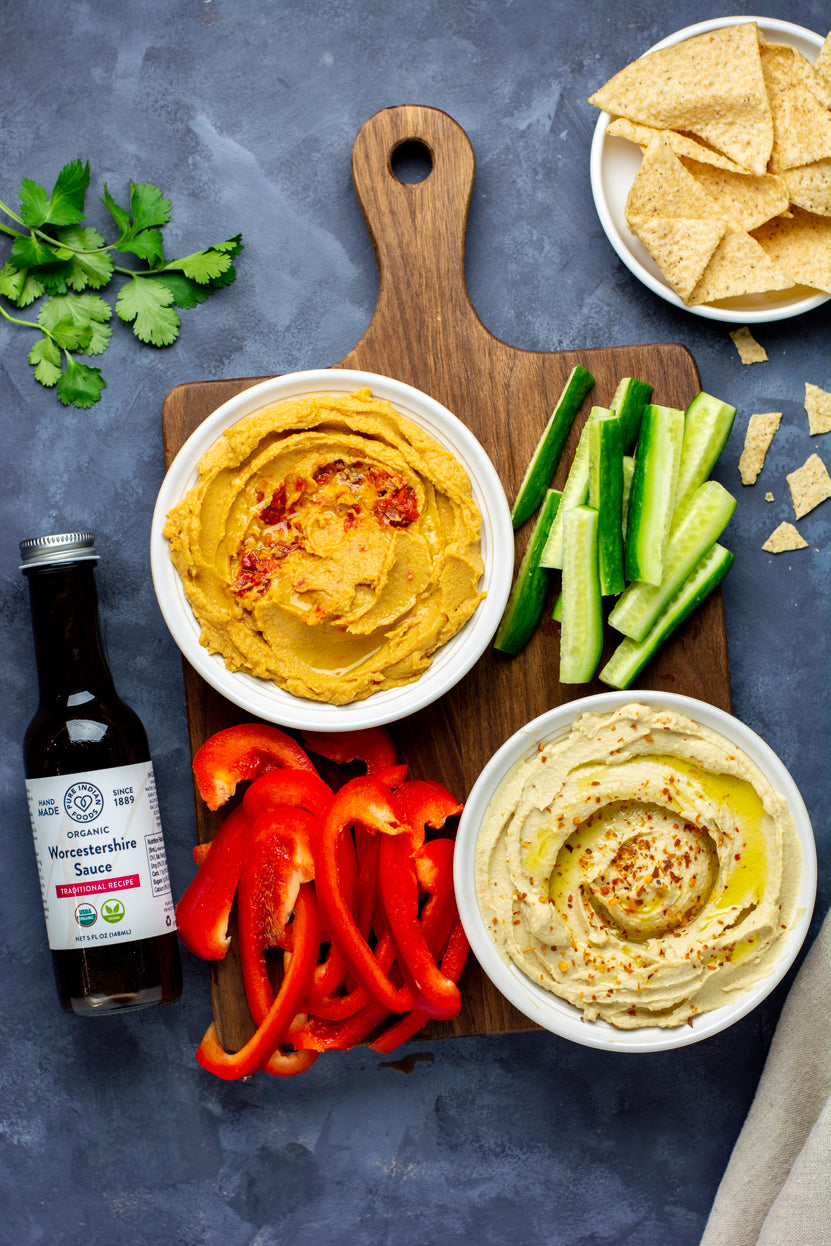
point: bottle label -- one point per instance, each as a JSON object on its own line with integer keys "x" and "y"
{"x": 101, "y": 858}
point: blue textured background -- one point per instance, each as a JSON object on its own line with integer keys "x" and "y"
{"x": 244, "y": 113}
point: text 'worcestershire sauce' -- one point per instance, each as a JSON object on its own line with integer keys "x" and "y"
{"x": 109, "y": 910}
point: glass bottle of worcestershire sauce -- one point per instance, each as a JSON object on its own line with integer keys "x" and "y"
{"x": 109, "y": 911}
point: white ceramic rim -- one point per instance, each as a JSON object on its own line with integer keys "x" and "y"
{"x": 547, "y": 1010}
{"x": 610, "y": 155}
{"x": 451, "y": 662}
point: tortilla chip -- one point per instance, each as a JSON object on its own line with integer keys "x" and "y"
{"x": 818, "y": 408}
{"x": 663, "y": 188}
{"x": 681, "y": 248}
{"x": 810, "y": 484}
{"x": 711, "y": 85}
{"x": 822, "y": 64}
{"x": 682, "y": 144}
{"x": 785, "y": 537}
{"x": 757, "y": 439}
{"x": 801, "y": 124}
{"x": 749, "y": 349}
{"x": 744, "y": 199}
{"x": 801, "y": 246}
{"x": 739, "y": 266}
{"x": 809, "y": 186}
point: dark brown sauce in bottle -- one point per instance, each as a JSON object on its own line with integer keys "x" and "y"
{"x": 82, "y": 726}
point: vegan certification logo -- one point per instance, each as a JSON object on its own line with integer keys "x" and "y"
{"x": 85, "y": 914}
{"x": 83, "y": 802}
{"x": 113, "y": 911}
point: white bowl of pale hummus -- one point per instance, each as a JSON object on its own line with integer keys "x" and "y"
{"x": 635, "y": 871}
{"x": 332, "y": 550}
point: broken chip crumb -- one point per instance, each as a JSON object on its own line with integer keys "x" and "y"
{"x": 769, "y": 497}
{"x": 810, "y": 484}
{"x": 759, "y": 435}
{"x": 785, "y": 537}
{"x": 818, "y": 407}
{"x": 750, "y": 351}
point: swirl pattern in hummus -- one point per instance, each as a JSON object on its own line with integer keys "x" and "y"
{"x": 330, "y": 545}
{"x": 641, "y": 867}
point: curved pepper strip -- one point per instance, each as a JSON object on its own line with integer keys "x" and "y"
{"x": 420, "y": 803}
{"x": 290, "y": 1063}
{"x": 367, "y": 801}
{"x": 373, "y": 745}
{"x": 203, "y": 912}
{"x": 338, "y": 1007}
{"x": 238, "y": 753}
{"x": 301, "y": 788}
{"x": 277, "y": 859}
{"x": 434, "y": 993}
{"x": 339, "y": 1034}
{"x": 406, "y": 1027}
{"x": 265, "y": 1042}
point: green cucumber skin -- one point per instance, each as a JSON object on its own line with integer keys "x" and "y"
{"x": 628, "y": 403}
{"x": 652, "y": 498}
{"x": 630, "y": 657}
{"x": 581, "y": 631}
{"x": 527, "y": 600}
{"x": 707, "y": 425}
{"x": 700, "y": 525}
{"x": 544, "y": 461}
{"x": 606, "y": 496}
{"x": 575, "y": 493}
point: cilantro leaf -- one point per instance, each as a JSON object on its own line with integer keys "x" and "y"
{"x": 64, "y": 206}
{"x": 148, "y": 206}
{"x": 186, "y": 293}
{"x": 120, "y": 215}
{"x": 147, "y": 303}
{"x": 89, "y": 265}
{"x": 19, "y": 285}
{"x": 28, "y": 252}
{"x": 34, "y": 203}
{"x": 87, "y": 311}
{"x": 80, "y": 385}
{"x": 70, "y": 334}
{"x": 147, "y": 246}
{"x": 138, "y": 232}
{"x": 45, "y": 357}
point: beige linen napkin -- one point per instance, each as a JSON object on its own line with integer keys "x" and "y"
{"x": 776, "y": 1190}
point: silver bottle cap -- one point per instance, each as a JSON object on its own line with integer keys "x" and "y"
{"x": 48, "y": 551}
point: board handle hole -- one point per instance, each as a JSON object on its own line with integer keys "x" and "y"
{"x": 411, "y": 162}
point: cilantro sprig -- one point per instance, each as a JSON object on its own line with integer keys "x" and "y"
{"x": 57, "y": 261}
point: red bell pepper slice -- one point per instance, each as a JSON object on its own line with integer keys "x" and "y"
{"x": 422, "y": 803}
{"x": 301, "y": 788}
{"x": 271, "y": 1033}
{"x": 434, "y": 993}
{"x": 203, "y": 912}
{"x": 277, "y": 859}
{"x": 373, "y": 745}
{"x": 238, "y": 753}
{"x": 406, "y": 1027}
{"x": 368, "y": 802}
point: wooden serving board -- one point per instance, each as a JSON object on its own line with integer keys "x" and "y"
{"x": 425, "y": 332}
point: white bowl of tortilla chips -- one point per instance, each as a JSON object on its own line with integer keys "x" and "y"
{"x": 518, "y": 783}
{"x": 372, "y": 416}
{"x": 720, "y": 207}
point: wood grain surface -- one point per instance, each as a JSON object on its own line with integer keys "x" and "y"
{"x": 425, "y": 332}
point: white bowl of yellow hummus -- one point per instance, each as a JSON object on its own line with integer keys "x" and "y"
{"x": 635, "y": 871}
{"x": 332, "y": 550}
